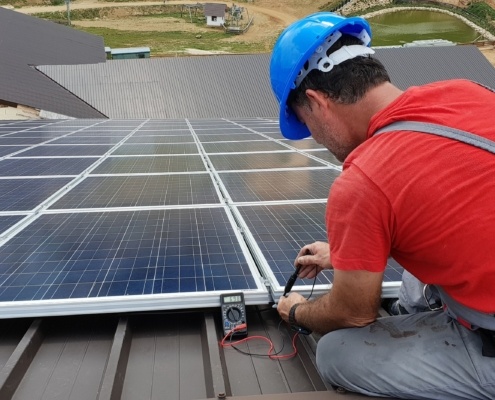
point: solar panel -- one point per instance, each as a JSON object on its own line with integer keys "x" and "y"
{"x": 129, "y": 215}
{"x": 279, "y": 231}
{"x": 26, "y": 194}
{"x": 88, "y": 140}
{"x": 150, "y": 164}
{"x": 287, "y": 159}
{"x": 221, "y": 131}
{"x": 66, "y": 151}
{"x": 143, "y": 149}
{"x": 256, "y": 186}
{"x": 44, "y": 166}
{"x": 12, "y": 140}
{"x": 6, "y": 150}
{"x": 244, "y": 147}
{"x": 87, "y": 255}
{"x": 324, "y": 155}
{"x": 121, "y": 257}
{"x": 304, "y": 144}
{"x": 7, "y": 221}
{"x": 232, "y": 138}
{"x": 140, "y": 191}
{"x": 161, "y": 139}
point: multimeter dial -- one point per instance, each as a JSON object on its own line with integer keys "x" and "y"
{"x": 234, "y": 314}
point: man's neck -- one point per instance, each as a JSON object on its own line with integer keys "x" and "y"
{"x": 362, "y": 111}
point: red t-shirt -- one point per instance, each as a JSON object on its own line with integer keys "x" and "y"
{"x": 427, "y": 201}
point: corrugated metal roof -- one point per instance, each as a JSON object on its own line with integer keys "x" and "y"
{"x": 214, "y": 9}
{"x": 173, "y": 356}
{"x": 414, "y": 66}
{"x": 27, "y": 41}
{"x": 236, "y": 86}
{"x": 224, "y": 86}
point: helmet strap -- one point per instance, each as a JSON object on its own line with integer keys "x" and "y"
{"x": 323, "y": 62}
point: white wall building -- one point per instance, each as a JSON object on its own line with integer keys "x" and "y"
{"x": 215, "y": 14}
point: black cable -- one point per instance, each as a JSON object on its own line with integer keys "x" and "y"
{"x": 257, "y": 354}
{"x": 278, "y": 328}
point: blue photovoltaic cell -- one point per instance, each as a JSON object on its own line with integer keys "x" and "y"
{"x": 24, "y": 141}
{"x": 234, "y": 138}
{"x": 7, "y": 221}
{"x": 226, "y": 131}
{"x": 96, "y": 134}
{"x": 304, "y": 144}
{"x": 324, "y": 155}
{"x": 111, "y": 140}
{"x": 44, "y": 166}
{"x": 161, "y": 139}
{"x": 282, "y": 230}
{"x": 150, "y": 164}
{"x": 278, "y": 185}
{"x": 142, "y": 149}
{"x": 262, "y": 161}
{"x": 6, "y": 150}
{"x": 27, "y": 194}
{"x": 66, "y": 150}
{"x": 243, "y": 147}
{"x": 163, "y": 132}
{"x": 140, "y": 191}
{"x": 81, "y": 255}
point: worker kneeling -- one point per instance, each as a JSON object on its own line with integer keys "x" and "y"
{"x": 417, "y": 184}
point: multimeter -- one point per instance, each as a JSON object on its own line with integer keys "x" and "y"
{"x": 233, "y": 313}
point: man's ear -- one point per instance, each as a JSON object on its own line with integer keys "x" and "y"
{"x": 316, "y": 99}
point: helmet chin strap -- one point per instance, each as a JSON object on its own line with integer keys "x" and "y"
{"x": 323, "y": 62}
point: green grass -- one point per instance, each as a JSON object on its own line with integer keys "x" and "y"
{"x": 174, "y": 43}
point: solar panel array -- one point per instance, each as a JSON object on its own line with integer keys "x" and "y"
{"x": 127, "y": 215}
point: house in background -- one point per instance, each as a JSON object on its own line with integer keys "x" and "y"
{"x": 215, "y": 14}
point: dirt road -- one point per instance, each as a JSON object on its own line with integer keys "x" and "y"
{"x": 281, "y": 17}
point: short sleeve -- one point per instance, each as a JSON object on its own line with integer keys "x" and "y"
{"x": 360, "y": 223}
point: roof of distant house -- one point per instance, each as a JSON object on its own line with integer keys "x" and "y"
{"x": 214, "y": 9}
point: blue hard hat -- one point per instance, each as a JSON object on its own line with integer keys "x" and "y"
{"x": 294, "y": 47}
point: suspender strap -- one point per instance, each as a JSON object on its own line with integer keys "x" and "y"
{"x": 465, "y": 315}
{"x": 440, "y": 130}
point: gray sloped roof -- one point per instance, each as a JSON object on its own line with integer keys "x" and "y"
{"x": 183, "y": 87}
{"x": 25, "y": 42}
{"x": 214, "y": 9}
{"x": 412, "y": 66}
{"x": 236, "y": 85}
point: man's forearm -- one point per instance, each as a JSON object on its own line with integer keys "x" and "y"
{"x": 326, "y": 314}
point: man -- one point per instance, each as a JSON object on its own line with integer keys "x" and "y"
{"x": 426, "y": 200}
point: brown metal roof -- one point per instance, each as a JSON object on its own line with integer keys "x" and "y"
{"x": 173, "y": 356}
{"x": 26, "y": 42}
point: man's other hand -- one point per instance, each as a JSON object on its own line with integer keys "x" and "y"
{"x": 313, "y": 258}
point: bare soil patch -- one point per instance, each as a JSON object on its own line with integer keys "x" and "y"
{"x": 270, "y": 18}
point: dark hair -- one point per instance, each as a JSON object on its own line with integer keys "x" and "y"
{"x": 347, "y": 82}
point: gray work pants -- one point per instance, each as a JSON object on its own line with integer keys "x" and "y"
{"x": 425, "y": 355}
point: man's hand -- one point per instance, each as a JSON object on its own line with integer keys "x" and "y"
{"x": 285, "y": 304}
{"x": 313, "y": 258}
{"x": 353, "y": 301}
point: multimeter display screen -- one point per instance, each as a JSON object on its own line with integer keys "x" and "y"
{"x": 232, "y": 299}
